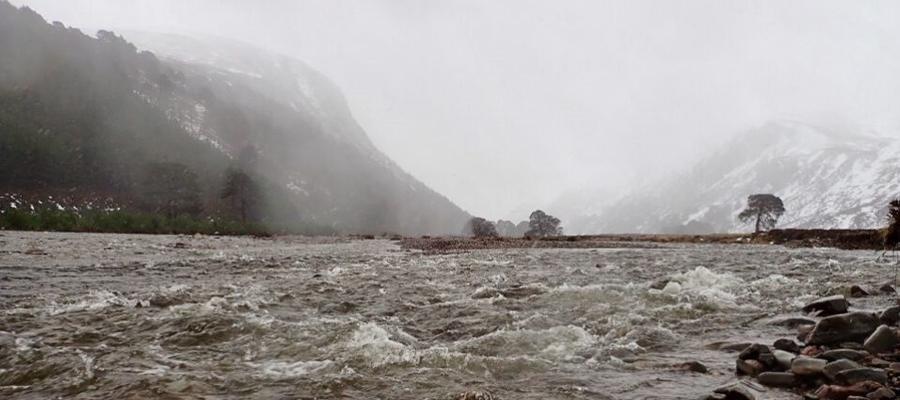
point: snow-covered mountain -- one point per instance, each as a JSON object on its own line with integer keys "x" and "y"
{"x": 828, "y": 178}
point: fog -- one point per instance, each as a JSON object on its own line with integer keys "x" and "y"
{"x": 506, "y": 105}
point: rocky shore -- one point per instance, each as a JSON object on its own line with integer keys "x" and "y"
{"x": 839, "y": 353}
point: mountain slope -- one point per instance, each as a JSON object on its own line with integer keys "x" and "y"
{"x": 827, "y": 179}
{"x": 89, "y": 114}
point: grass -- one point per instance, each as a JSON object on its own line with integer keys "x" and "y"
{"x": 51, "y": 219}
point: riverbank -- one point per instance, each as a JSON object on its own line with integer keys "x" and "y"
{"x": 846, "y": 239}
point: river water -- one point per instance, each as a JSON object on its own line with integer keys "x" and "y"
{"x": 129, "y": 316}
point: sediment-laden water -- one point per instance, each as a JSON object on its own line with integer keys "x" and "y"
{"x": 126, "y": 316}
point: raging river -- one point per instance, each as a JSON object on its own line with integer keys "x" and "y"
{"x": 99, "y": 316}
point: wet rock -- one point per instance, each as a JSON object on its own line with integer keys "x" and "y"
{"x": 876, "y": 362}
{"x": 887, "y": 288}
{"x": 803, "y": 332}
{"x": 825, "y": 306}
{"x": 731, "y": 346}
{"x": 811, "y": 351}
{"x": 788, "y": 345}
{"x": 881, "y": 394}
{"x": 807, "y": 366}
{"x": 783, "y": 358}
{"x": 793, "y": 322}
{"x": 768, "y": 360}
{"x": 737, "y": 391}
{"x": 883, "y": 340}
{"x": 894, "y": 366}
{"x": 749, "y": 367}
{"x": 857, "y": 375}
{"x": 783, "y": 379}
{"x": 850, "y": 327}
{"x": 848, "y": 354}
{"x": 857, "y": 291}
{"x": 890, "y": 315}
{"x": 476, "y": 396}
{"x": 693, "y": 366}
{"x": 852, "y": 346}
{"x": 753, "y": 351}
{"x": 836, "y": 392}
{"x": 831, "y": 369}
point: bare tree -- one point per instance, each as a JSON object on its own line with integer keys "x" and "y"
{"x": 765, "y": 209}
{"x": 541, "y": 224}
{"x": 244, "y": 194}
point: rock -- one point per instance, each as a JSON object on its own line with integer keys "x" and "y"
{"x": 848, "y": 354}
{"x": 890, "y": 315}
{"x": 749, "y": 367}
{"x": 883, "y": 340}
{"x": 887, "y": 288}
{"x": 835, "y": 392}
{"x": 777, "y": 379}
{"x": 850, "y": 327}
{"x": 852, "y": 346}
{"x": 831, "y": 369}
{"x": 737, "y": 391}
{"x": 783, "y": 358}
{"x": 787, "y": 345}
{"x": 793, "y": 322}
{"x": 894, "y": 366}
{"x": 811, "y": 351}
{"x": 803, "y": 332}
{"x": 876, "y": 362}
{"x": 881, "y": 394}
{"x": 857, "y": 375}
{"x": 830, "y": 305}
{"x": 753, "y": 351}
{"x": 857, "y": 291}
{"x": 767, "y": 359}
{"x": 807, "y": 366}
{"x": 693, "y": 366}
{"x": 475, "y": 396}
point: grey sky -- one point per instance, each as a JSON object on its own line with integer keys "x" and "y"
{"x": 500, "y": 104}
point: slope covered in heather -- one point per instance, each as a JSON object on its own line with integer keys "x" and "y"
{"x": 88, "y": 115}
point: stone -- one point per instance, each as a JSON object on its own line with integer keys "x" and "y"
{"x": 825, "y": 306}
{"x": 836, "y": 392}
{"x": 808, "y": 366}
{"x": 737, "y": 391}
{"x": 852, "y": 346}
{"x": 887, "y": 288}
{"x": 881, "y": 394}
{"x": 856, "y": 375}
{"x": 787, "y": 345}
{"x": 693, "y": 366}
{"x": 850, "y": 327}
{"x": 783, "y": 358}
{"x": 831, "y": 369}
{"x": 883, "y": 340}
{"x": 767, "y": 359}
{"x": 811, "y": 351}
{"x": 894, "y": 366}
{"x": 753, "y": 351}
{"x": 890, "y": 315}
{"x": 838, "y": 354}
{"x": 781, "y": 379}
{"x": 857, "y": 291}
{"x": 793, "y": 322}
{"x": 749, "y": 367}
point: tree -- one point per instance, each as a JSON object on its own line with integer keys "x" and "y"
{"x": 171, "y": 189}
{"x": 541, "y": 224}
{"x": 892, "y": 235}
{"x": 765, "y": 209}
{"x": 480, "y": 228}
{"x": 244, "y": 194}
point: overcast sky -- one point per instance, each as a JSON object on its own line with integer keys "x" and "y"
{"x": 505, "y": 104}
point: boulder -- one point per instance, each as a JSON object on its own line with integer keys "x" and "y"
{"x": 857, "y": 375}
{"x": 808, "y": 366}
{"x": 831, "y": 369}
{"x": 883, "y": 340}
{"x": 890, "y": 315}
{"x": 782, "y": 379}
{"x": 850, "y": 327}
{"x": 749, "y": 367}
{"x": 848, "y": 354}
{"x": 825, "y": 306}
{"x": 858, "y": 291}
{"x": 789, "y": 345}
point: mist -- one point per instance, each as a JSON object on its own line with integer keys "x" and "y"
{"x": 506, "y": 106}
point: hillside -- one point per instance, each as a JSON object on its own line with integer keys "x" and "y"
{"x": 827, "y": 178}
{"x": 88, "y": 117}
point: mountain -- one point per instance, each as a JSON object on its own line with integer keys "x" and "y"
{"x": 92, "y": 115}
{"x": 828, "y": 178}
